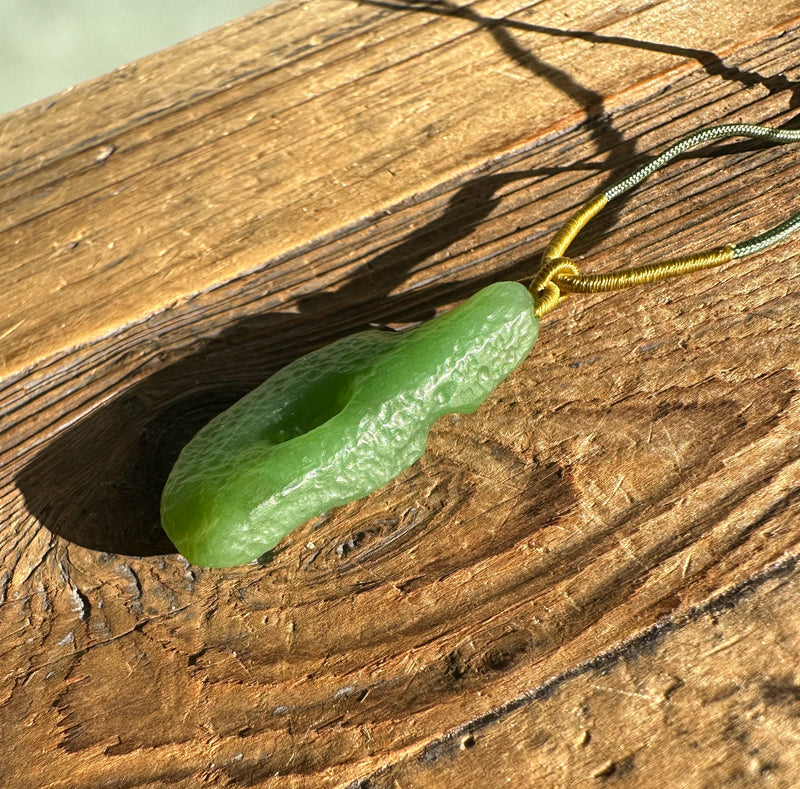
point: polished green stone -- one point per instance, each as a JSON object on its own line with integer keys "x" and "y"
{"x": 336, "y": 424}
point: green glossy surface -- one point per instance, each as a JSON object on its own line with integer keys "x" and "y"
{"x": 336, "y": 424}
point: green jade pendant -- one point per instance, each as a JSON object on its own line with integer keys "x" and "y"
{"x": 337, "y": 424}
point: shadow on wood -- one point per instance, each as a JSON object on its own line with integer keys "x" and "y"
{"x": 501, "y": 27}
{"x": 98, "y": 483}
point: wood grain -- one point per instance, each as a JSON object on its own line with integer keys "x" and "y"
{"x": 657, "y": 711}
{"x": 290, "y": 179}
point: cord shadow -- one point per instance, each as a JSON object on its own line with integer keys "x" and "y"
{"x": 500, "y": 27}
{"x": 621, "y": 153}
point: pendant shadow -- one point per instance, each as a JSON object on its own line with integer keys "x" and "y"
{"x": 98, "y": 483}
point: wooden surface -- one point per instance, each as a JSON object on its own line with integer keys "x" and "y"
{"x": 592, "y": 580}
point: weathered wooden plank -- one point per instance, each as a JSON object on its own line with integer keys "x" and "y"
{"x": 641, "y": 461}
{"x": 710, "y": 701}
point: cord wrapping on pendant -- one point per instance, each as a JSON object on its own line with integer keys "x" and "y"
{"x": 648, "y": 273}
{"x": 550, "y": 281}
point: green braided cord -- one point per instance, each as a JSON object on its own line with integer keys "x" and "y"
{"x": 772, "y": 236}
{"x": 753, "y": 245}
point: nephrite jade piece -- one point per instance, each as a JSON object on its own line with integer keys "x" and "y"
{"x": 336, "y": 424}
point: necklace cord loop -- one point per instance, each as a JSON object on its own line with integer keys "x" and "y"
{"x": 559, "y": 275}
{"x": 554, "y": 276}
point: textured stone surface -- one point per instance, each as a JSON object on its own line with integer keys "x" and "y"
{"x": 337, "y": 424}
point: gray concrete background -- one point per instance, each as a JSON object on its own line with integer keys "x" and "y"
{"x": 49, "y": 45}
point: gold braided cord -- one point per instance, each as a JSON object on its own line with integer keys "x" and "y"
{"x": 546, "y": 292}
{"x": 564, "y": 237}
{"x": 647, "y": 274}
